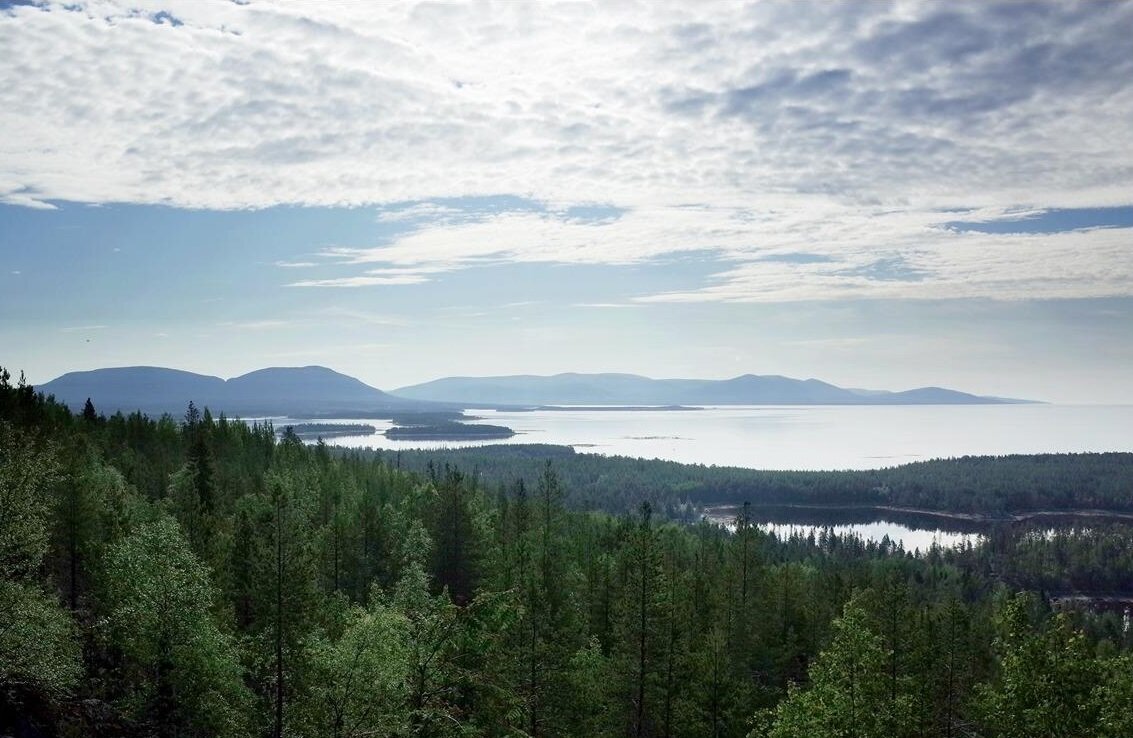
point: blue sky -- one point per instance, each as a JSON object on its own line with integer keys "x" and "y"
{"x": 878, "y": 195}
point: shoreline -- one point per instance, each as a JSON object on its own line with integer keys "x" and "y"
{"x": 713, "y": 511}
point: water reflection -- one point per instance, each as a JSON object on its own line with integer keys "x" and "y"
{"x": 913, "y": 533}
{"x": 911, "y": 539}
{"x": 811, "y": 437}
{"x": 912, "y": 530}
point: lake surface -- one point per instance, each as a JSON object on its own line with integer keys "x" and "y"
{"x": 804, "y": 437}
{"x": 911, "y": 539}
{"x": 913, "y": 532}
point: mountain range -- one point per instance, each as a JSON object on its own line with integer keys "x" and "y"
{"x": 631, "y": 389}
{"x": 307, "y": 391}
{"x": 315, "y": 391}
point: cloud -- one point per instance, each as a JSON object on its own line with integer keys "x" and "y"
{"x": 795, "y": 248}
{"x": 361, "y": 316}
{"x": 256, "y": 325}
{"x": 83, "y": 328}
{"x": 366, "y": 280}
{"x": 321, "y": 352}
{"x": 941, "y": 264}
{"x": 807, "y": 150}
{"x": 260, "y": 104}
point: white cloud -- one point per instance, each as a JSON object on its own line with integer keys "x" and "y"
{"x": 793, "y": 250}
{"x": 365, "y": 280}
{"x": 743, "y": 132}
{"x": 83, "y": 328}
{"x": 361, "y": 316}
{"x": 936, "y": 264}
{"x": 256, "y": 325}
{"x": 343, "y": 103}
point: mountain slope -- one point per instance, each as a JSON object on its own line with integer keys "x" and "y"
{"x": 304, "y": 390}
{"x": 293, "y": 391}
{"x": 630, "y": 389}
{"x": 147, "y": 388}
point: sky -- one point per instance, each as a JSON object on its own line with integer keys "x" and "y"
{"x": 879, "y": 195}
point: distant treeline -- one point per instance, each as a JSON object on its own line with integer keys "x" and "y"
{"x": 972, "y": 484}
{"x": 447, "y": 431}
{"x": 319, "y": 430}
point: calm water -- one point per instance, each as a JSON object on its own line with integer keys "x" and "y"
{"x": 811, "y": 437}
{"x": 911, "y": 539}
{"x": 913, "y": 532}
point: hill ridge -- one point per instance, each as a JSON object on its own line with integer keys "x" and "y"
{"x": 294, "y": 391}
{"x": 573, "y": 388}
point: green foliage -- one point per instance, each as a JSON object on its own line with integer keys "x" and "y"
{"x": 359, "y": 676}
{"x": 456, "y": 535}
{"x": 94, "y": 507}
{"x": 589, "y": 678}
{"x": 1046, "y": 678}
{"x": 179, "y": 669}
{"x": 969, "y": 484}
{"x": 847, "y": 695}
{"x": 39, "y": 656}
{"x": 38, "y": 650}
{"x": 1113, "y": 697}
{"x": 26, "y": 475}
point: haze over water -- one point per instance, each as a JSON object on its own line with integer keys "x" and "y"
{"x": 807, "y": 438}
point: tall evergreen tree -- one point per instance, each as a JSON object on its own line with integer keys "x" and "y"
{"x": 848, "y": 695}
{"x": 90, "y": 415}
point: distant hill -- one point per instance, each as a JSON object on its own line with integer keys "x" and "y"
{"x": 292, "y": 391}
{"x": 315, "y": 391}
{"x": 631, "y": 389}
{"x": 136, "y": 387}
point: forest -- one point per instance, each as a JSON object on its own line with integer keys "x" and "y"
{"x": 976, "y": 484}
{"x": 200, "y": 576}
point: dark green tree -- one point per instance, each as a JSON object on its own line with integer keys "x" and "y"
{"x": 849, "y": 691}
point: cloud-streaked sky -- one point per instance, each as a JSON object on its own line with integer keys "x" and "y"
{"x": 876, "y": 194}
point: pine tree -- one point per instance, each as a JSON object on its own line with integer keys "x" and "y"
{"x": 641, "y": 628}
{"x": 456, "y": 536}
{"x": 281, "y": 587}
{"x": 848, "y": 694}
{"x": 92, "y": 509}
{"x": 90, "y": 415}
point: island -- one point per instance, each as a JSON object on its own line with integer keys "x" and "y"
{"x": 448, "y": 431}
{"x": 610, "y": 408}
{"x": 328, "y": 430}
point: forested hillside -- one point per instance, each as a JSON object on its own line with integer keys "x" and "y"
{"x": 198, "y": 577}
{"x": 978, "y": 484}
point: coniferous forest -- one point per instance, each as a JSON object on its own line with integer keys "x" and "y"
{"x": 197, "y": 576}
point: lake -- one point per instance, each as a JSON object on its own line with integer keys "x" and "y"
{"x": 913, "y": 530}
{"x": 815, "y": 437}
{"x": 911, "y": 539}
